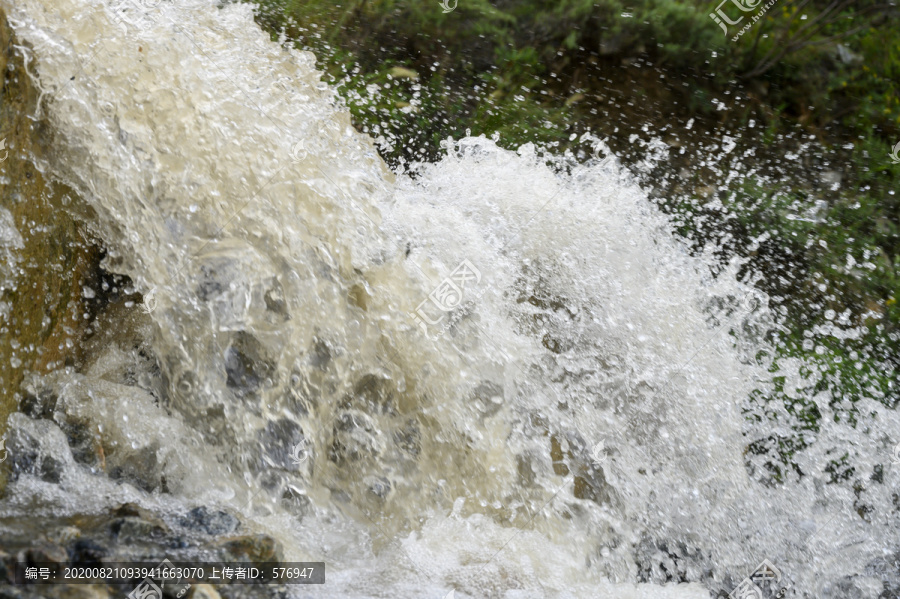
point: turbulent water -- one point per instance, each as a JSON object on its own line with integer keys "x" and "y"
{"x": 505, "y": 374}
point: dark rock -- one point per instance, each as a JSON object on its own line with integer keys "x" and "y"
{"x": 254, "y": 591}
{"x": 135, "y": 530}
{"x": 380, "y": 487}
{"x": 373, "y": 394}
{"x": 131, "y": 509}
{"x": 672, "y": 561}
{"x": 321, "y": 355}
{"x": 525, "y": 469}
{"x": 46, "y": 553}
{"x": 26, "y": 453}
{"x": 81, "y": 441}
{"x": 215, "y": 420}
{"x": 275, "y": 303}
{"x": 38, "y": 448}
{"x": 87, "y": 552}
{"x": 355, "y": 437}
{"x": 295, "y": 501}
{"x": 409, "y": 438}
{"x": 51, "y": 470}
{"x": 593, "y": 487}
{"x": 40, "y": 404}
{"x": 246, "y": 363}
{"x": 140, "y": 468}
{"x": 11, "y": 592}
{"x": 212, "y": 522}
{"x": 7, "y": 568}
{"x": 278, "y": 440}
{"x": 215, "y": 276}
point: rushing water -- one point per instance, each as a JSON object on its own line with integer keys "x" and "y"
{"x": 284, "y": 270}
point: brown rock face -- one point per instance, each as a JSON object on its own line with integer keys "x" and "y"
{"x": 48, "y": 266}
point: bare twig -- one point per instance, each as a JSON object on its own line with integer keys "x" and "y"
{"x": 788, "y": 42}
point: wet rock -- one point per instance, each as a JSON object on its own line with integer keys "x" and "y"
{"x": 593, "y": 487}
{"x": 567, "y": 450}
{"x": 83, "y": 443}
{"x": 118, "y": 347}
{"x": 135, "y": 530}
{"x": 37, "y": 448}
{"x": 81, "y": 591}
{"x": 275, "y": 302}
{"x": 102, "y": 539}
{"x": 87, "y": 551}
{"x": 212, "y": 522}
{"x": 284, "y": 444}
{"x": 140, "y": 468}
{"x": 373, "y": 394}
{"x": 64, "y": 535}
{"x": 668, "y": 561}
{"x": 295, "y": 501}
{"x": 215, "y": 277}
{"x": 204, "y": 591}
{"x": 215, "y": 420}
{"x": 132, "y": 510}
{"x": 379, "y": 487}
{"x": 356, "y": 436}
{"x": 42, "y": 401}
{"x": 47, "y": 553}
{"x": 525, "y": 469}
{"x": 246, "y": 363}
{"x": 253, "y": 548}
{"x": 409, "y": 438}
{"x": 299, "y": 397}
{"x": 359, "y": 297}
{"x": 321, "y": 355}
{"x": 38, "y": 404}
{"x": 45, "y": 324}
{"x": 240, "y": 591}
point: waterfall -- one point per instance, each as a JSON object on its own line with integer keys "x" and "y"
{"x": 501, "y": 374}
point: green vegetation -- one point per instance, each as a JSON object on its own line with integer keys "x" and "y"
{"x": 541, "y": 71}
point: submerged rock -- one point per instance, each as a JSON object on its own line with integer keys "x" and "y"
{"x": 38, "y": 448}
{"x": 211, "y": 522}
{"x": 246, "y": 363}
{"x": 128, "y": 534}
{"x": 254, "y": 548}
{"x": 284, "y": 444}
